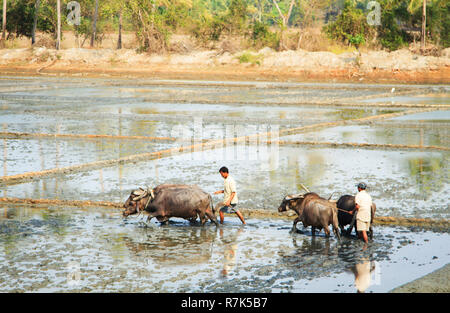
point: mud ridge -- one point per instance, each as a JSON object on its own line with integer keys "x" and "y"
{"x": 442, "y": 224}
{"x": 212, "y": 144}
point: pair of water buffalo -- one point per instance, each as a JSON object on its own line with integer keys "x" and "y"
{"x": 189, "y": 202}
{"x": 318, "y": 212}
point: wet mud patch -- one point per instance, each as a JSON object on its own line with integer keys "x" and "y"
{"x": 31, "y": 227}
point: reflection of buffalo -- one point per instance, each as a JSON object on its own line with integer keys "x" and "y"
{"x": 313, "y": 247}
{"x": 311, "y": 258}
{"x": 166, "y": 201}
{"x": 175, "y": 245}
{"x": 347, "y": 203}
{"x": 313, "y": 211}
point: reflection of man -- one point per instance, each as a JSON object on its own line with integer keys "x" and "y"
{"x": 363, "y": 203}
{"x": 362, "y": 275}
{"x": 229, "y": 252}
{"x": 230, "y": 198}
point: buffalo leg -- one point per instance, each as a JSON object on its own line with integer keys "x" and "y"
{"x": 211, "y": 216}
{"x": 336, "y": 232}
{"x": 327, "y": 231}
{"x": 202, "y": 217}
{"x": 313, "y": 230}
{"x": 163, "y": 220}
{"x": 294, "y": 226}
{"x": 350, "y": 228}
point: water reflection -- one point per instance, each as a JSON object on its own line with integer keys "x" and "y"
{"x": 430, "y": 174}
{"x": 31, "y": 155}
{"x": 311, "y": 257}
{"x": 347, "y": 114}
{"x": 362, "y": 272}
{"x": 5, "y": 157}
{"x": 173, "y": 245}
{"x": 385, "y": 133}
{"x": 229, "y": 249}
{"x": 312, "y": 246}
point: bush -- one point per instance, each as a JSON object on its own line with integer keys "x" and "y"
{"x": 438, "y": 21}
{"x": 350, "y": 26}
{"x": 390, "y": 35}
{"x": 261, "y": 36}
{"x": 210, "y": 29}
{"x": 248, "y": 57}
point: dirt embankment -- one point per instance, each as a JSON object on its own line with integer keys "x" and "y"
{"x": 435, "y": 282}
{"x": 400, "y": 66}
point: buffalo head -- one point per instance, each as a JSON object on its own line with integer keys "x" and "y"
{"x": 137, "y": 201}
{"x": 290, "y": 202}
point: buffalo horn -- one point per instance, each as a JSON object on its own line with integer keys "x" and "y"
{"x": 299, "y": 196}
{"x": 144, "y": 193}
{"x": 303, "y": 186}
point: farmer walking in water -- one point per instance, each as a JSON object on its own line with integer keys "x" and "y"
{"x": 230, "y": 198}
{"x": 363, "y": 203}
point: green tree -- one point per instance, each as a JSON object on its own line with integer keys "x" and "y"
{"x": 436, "y": 20}
{"x": 151, "y": 21}
{"x": 35, "y": 19}
{"x": 94, "y": 24}
{"x": 351, "y": 23}
{"x": 3, "y": 23}
{"x": 390, "y": 34}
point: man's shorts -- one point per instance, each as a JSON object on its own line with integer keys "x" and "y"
{"x": 361, "y": 225}
{"x": 229, "y": 209}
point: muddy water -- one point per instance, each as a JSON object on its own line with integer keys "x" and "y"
{"x": 76, "y": 250}
{"x": 428, "y": 129}
{"x": 37, "y": 155}
{"x": 73, "y": 249}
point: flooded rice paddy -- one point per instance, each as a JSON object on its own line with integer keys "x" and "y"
{"x": 65, "y": 249}
{"x": 79, "y": 250}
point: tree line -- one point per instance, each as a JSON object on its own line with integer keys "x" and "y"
{"x": 260, "y": 22}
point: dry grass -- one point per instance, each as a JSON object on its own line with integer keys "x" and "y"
{"x": 69, "y": 40}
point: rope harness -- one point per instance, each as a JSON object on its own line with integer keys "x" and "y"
{"x": 143, "y": 194}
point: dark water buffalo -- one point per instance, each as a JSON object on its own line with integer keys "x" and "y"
{"x": 166, "y": 201}
{"x": 313, "y": 211}
{"x": 347, "y": 203}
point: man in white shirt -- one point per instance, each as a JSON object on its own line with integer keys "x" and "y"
{"x": 363, "y": 203}
{"x": 230, "y": 198}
